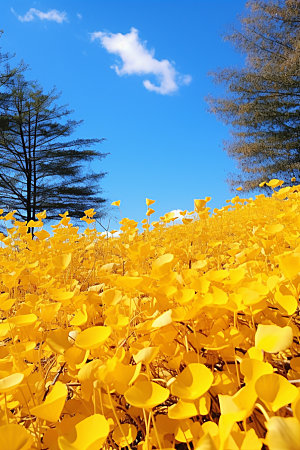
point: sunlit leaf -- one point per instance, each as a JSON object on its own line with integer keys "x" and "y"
{"x": 146, "y": 394}
{"x": 275, "y": 391}
{"x": 89, "y": 434}
{"x": 15, "y": 437}
{"x": 10, "y": 382}
{"x": 272, "y": 338}
{"x": 283, "y": 433}
{"x": 125, "y": 434}
{"x": 187, "y": 386}
{"x": 62, "y": 261}
{"x": 52, "y": 407}
{"x": 93, "y": 337}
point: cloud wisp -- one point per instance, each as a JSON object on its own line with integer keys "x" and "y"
{"x": 137, "y": 60}
{"x": 52, "y": 15}
{"x": 177, "y": 215}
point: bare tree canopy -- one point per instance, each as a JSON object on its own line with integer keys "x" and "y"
{"x": 262, "y": 100}
{"x": 40, "y": 167}
{"x": 6, "y": 74}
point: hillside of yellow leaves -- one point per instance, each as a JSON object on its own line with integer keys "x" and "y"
{"x": 179, "y": 336}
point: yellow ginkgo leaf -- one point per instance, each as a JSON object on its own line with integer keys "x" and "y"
{"x": 4, "y": 330}
{"x": 164, "y": 424}
{"x": 58, "y": 340}
{"x": 199, "y": 204}
{"x": 127, "y": 374}
{"x": 252, "y": 369}
{"x": 80, "y": 317}
{"x": 20, "y": 350}
{"x": 287, "y": 302}
{"x": 62, "y": 261}
{"x": 117, "y": 322}
{"x": 250, "y": 296}
{"x": 163, "y": 320}
{"x": 146, "y": 355}
{"x": 128, "y": 282}
{"x": 166, "y": 291}
{"x": 53, "y": 405}
{"x": 186, "y": 384}
{"x": 116, "y": 203}
{"x": 206, "y": 443}
{"x": 76, "y": 356}
{"x": 150, "y": 211}
{"x": 228, "y": 406}
{"x": 282, "y": 193}
{"x": 283, "y": 433}
{"x": 146, "y": 394}
{"x": 183, "y": 296}
{"x": 217, "y": 275}
{"x": 211, "y": 428}
{"x": 15, "y": 437}
{"x": 275, "y": 391}
{"x": 48, "y": 311}
{"x": 33, "y": 223}
{"x": 272, "y": 338}
{"x": 275, "y": 183}
{"x": 89, "y": 212}
{"x": 296, "y": 407}
{"x": 11, "y": 382}
{"x": 3, "y": 297}
{"x": 162, "y": 265}
{"x": 42, "y": 235}
{"x": 31, "y": 300}
{"x": 274, "y": 229}
{"x": 149, "y": 201}
{"x": 245, "y": 398}
{"x": 219, "y": 296}
{"x": 183, "y": 431}
{"x": 124, "y": 434}
{"x": 183, "y": 409}
{"x": 23, "y": 320}
{"x": 111, "y": 297}
{"x": 244, "y": 441}
{"x": 93, "y": 337}
{"x": 87, "y": 372}
{"x": 62, "y": 296}
{"x": 105, "y": 373}
{"x": 89, "y": 434}
{"x": 255, "y": 353}
{"x": 227, "y": 422}
{"x": 289, "y": 263}
{"x": 6, "y": 306}
{"x": 107, "y": 267}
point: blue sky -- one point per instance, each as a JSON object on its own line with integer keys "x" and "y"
{"x": 136, "y": 73}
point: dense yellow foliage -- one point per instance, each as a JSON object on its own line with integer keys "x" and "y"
{"x": 184, "y": 333}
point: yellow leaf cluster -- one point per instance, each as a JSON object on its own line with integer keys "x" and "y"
{"x": 182, "y": 334}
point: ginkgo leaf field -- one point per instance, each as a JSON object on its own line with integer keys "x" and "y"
{"x": 169, "y": 335}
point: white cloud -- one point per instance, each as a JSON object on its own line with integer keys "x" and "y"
{"x": 177, "y": 215}
{"x": 137, "y": 60}
{"x": 53, "y": 14}
{"x": 79, "y": 16}
{"x": 114, "y": 235}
